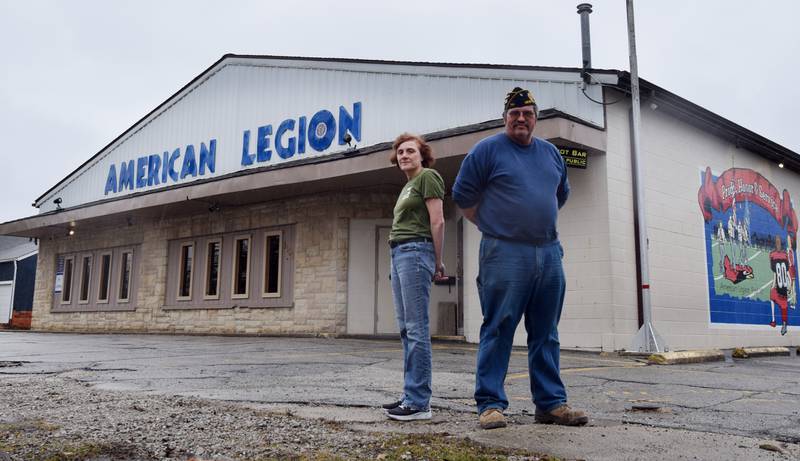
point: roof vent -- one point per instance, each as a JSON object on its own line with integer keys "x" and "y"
{"x": 585, "y": 9}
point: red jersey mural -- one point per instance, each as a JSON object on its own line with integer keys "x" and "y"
{"x": 750, "y": 234}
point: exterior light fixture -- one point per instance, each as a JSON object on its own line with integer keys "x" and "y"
{"x": 780, "y": 164}
{"x": 72, "y": 232}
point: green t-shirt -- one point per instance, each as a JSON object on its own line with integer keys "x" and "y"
{"x": 411, "y": 218}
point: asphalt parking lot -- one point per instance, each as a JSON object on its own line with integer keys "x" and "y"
{"x": 736, "y": 409}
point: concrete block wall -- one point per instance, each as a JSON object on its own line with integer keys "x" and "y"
{"x": 622, "y": 248}
{"x": 320, "y": 278}
{"x": 584, "y": 234}
{"x": 675, "y": 154}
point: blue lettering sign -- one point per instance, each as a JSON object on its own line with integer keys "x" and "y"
{"x": 247, "y": 157}
{"x": 173, "y": 173}
{"x": 321, "y": 130}
{"x": 153, "y": 165}
{"x": 165, "y": 170}
{"x": 111, "y": 181}
{"x": 301, "y": 136}
{"x": 351, "y": 123}
{"x": 141, "y": 164}
{"x": 189, "y": 163}
{"x": 126, "y": 175}
{"x": 263, "y": 154}
{"x": 208, "y": 156}
{"x": 288, "y": 151}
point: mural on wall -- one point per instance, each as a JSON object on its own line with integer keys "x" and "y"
{"x": 751, "y": 238}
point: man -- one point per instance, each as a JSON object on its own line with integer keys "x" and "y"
{"x": 781, "y": 284}
{"x": 511, "y": 185}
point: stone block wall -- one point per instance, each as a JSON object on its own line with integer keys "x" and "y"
{"x": 320, "y": 268}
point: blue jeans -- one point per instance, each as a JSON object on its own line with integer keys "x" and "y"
{"x": 412, "y": 271}
{"x": 517, "y": 279}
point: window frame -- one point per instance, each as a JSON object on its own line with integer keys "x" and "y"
{"x": 63, "y": 302}
{"x": 234, "y": 265}
{"x": 232, "y": 242}
{"x": 207, "y": 267}
{"x": 122, "y": 254}
{"x": 84, "y": 257}
{"x": 110, "y": 255}
{"x": 181, "y": 267}
{"x": 265, "y": 264}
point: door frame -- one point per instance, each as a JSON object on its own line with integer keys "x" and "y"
{"x": 10, "y": 300}
{"x": 375, "y": 305}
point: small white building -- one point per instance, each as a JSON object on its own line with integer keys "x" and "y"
{"x": 17, "y": 279}
{"x": 258, "y": 198}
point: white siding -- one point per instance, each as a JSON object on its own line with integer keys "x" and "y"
{"x": 242, "y": 94}
{"x": 675, "y": 153}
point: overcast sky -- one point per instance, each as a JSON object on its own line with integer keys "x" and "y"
{"x": 77, "y": 73}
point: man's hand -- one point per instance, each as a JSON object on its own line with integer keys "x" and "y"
{"x": 471, "y": 214}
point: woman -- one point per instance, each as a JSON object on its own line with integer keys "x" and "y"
{"x": 416, "y": 246}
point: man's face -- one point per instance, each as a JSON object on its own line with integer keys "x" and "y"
{"x": 520, "y": 122}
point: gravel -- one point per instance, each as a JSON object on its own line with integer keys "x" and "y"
{"x": 51, "y": 417}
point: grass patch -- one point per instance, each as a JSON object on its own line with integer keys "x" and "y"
{"x": 38, "y": 425}
{"x": 74, "y": 452}
{"x": 319, "y": 456}
{"x": 446, "y": 448}
{"x": 57, "y": 451}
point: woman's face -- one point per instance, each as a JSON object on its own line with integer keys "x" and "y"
{"x": 409, "y": 159}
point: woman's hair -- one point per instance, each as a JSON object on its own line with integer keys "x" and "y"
{"x": 424, "y": 149}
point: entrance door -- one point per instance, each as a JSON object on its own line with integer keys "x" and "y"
{"x": 385, "y": 323}
{"x": 6, "y": 289}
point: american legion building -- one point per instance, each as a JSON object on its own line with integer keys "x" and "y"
{"x": 258, "y": 200}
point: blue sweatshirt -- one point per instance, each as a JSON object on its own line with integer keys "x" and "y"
{"x": 518, "y": 189}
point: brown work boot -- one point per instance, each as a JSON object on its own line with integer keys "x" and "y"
{"x": 492, "y": 418}
{"x": 563, "y": 415}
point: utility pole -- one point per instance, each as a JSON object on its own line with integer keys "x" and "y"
{"x": 647, "y": 339}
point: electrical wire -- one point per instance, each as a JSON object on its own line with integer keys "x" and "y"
{"x": 583, "y": 90}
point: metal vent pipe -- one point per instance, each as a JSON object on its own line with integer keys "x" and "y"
{"x": 585, "y": 9}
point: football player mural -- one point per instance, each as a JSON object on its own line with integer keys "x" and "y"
{"x": 750, "y": 235}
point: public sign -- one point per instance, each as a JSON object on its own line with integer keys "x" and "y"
{"x": 574, "y": 158}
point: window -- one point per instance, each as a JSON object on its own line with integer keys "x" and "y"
{"x": 248, "y": 268}
{"x": 66, "y": 289}
{"x": 86, "y": 279}
{"x": 125, "y": 267}
{"x": 7, "y": 271}
{"x": 105, "y": 278}
{"x": 213, "y": 252}
{"x": 241, "y": 267}
{"x": 185, "y": 271}
{"x": 272, "y": 265}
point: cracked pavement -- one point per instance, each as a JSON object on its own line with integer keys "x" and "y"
{"x": 718, "y": 410}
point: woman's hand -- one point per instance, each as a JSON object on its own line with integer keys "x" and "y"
{"x": 439, "y": 274}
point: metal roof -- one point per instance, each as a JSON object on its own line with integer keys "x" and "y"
{"x": 620, "y": 80}
{"x": 12, "y": 248}
{"x": 479, "y": 71}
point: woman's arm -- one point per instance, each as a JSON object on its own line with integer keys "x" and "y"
{"x": 437, "y": 232}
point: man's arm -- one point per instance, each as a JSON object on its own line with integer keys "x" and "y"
{"x": 471, "y": 213}
{"x": 563, "y": 187}
{"x": 469, "y": 185}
